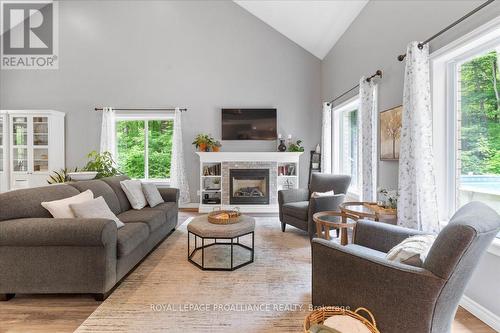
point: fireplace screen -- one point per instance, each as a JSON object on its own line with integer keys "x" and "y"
{"x": 249, "y": 186}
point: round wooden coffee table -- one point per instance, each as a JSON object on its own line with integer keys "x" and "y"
{"x": 222, "y": 235}
{"x": 336, "y": 220}
{"x": 368, "y": 210}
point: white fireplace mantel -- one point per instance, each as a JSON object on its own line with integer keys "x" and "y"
{"x": 266, "y": 156}
{"x": 216, "y": 182}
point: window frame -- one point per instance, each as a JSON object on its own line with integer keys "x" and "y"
{"x": 349, "y": 105}
{"x": 444, "y": 64}
{"x": 146, "y": 117}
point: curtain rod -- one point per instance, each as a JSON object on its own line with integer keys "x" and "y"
{"x": 402, "y": 57}
{"x": 144, "y": 109}
{"x": 368, "y": 79}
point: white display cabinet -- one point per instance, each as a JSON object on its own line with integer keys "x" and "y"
{"x": 4, "y": 180}
{"x": 36, "y": 146}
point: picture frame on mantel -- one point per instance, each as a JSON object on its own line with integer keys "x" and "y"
{"x": 390, "y": 133}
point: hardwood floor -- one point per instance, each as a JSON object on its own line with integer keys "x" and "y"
{"x": 64, "y": 313}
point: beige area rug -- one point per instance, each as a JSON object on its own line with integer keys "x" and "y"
{"x": 166, "y": 293}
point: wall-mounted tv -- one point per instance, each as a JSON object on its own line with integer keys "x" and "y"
{"x": 249, "y": 124}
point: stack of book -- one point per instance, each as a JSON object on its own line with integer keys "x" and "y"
{"x": 211, "y": 170}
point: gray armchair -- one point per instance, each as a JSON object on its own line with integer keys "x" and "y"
{"x": 404, "y": 298}
{"x": 296, "y": 207}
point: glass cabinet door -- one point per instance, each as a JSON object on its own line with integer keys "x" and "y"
{"x": 40, "y": 144}
{"x": 20, "y": 144}
{"x": 1, "y": 144}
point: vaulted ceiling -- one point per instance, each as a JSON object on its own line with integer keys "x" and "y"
{"x": 316, "y": 25}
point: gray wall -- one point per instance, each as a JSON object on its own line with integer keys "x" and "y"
{"x": 376, "y": 37}
{"x": 381, "y": 32}
{"x": 201, "y": 55}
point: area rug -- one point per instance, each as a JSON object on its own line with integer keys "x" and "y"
{"x": 166, "y": 293}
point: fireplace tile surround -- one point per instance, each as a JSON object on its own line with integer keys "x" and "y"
{"x": 246, "y": 160}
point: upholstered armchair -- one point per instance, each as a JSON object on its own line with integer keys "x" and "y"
{"x": 404, "y": 298}
{"x": 296, "y": 207}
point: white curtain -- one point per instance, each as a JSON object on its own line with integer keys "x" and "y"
{"x": 326, "y": 139}
{"x": 108, "y": 131}
{"x": 368, "y": 138}
{"x": 178, "y": 177}
{"x": 417, "y": 204}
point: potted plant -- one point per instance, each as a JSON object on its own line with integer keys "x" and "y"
{"x": 391, "y": 198}
{"x": 201, "y": 141}
{"x": 102, "y": 164}
{"x": 216, "y": 146}
{"x": 61, "y": 176}
{"x": 296, "y": 147}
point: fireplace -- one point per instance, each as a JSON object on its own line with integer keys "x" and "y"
{"x": 249, "y": 186}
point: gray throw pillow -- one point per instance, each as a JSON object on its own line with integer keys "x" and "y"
{"x": 95, "y": 209}
{"x": 152, "y": 194}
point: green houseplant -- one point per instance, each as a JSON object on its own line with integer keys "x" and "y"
{"x": 215, "y": 145}
{"x": 296, "y": 147}
{"x": 102, "y": 163}
{"x": 61, "y": 176}
{"x": 201, "y": 141}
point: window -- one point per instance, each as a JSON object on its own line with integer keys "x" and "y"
{"x": 466, "y": 85}
{"x": 478, "y": 129}
{"x": 346, "y": 142}
{"x": 144, "y": 146}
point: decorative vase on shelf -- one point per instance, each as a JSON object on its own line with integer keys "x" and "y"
{"x": 282, "y": 146}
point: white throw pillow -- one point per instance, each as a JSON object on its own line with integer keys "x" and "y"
{"x": 152, "y": 194}
{"x": 133, "y": 191}
{"x": 61, "y": 209}
{"x": 322, "y": 194}
{"x": 412, "y": 251}
{"x": 95, "y": 209}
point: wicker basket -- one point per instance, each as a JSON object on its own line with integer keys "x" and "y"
{"x": 219, "y": 216}
{"x": 320, "y": 315}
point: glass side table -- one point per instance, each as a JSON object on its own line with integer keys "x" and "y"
{"x": 336, "y": 220}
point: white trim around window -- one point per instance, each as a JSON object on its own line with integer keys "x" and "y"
{"x": 444, "y": 64}
{"x": 349, "y": 105}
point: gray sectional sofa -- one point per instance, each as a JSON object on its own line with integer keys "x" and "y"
{"x": 41, "y": 254}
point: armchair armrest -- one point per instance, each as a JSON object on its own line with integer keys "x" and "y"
{"x": 381, "y": 236}
{"x": 169, "y": 194}
{"x": 344, "y": 276}
{"x": 293, "y": 195}
{"x": 57, "y": 232}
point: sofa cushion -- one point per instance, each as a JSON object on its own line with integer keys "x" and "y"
{"x": 169, "y": 208}
{"x": 27, "y": 203}
{"x": 298, "y": 209}
{"x": 154, "y": 218}
{"x": 366, "y": 250}
{"x": 100, "y": 189}
{"x": 130, "y": 237}
{"x": 114, "y": 183}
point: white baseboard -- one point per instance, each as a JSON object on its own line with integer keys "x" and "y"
{"x": 485, "y": 315}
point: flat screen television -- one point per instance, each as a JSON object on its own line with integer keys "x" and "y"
{"x": 249, "y": 124}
